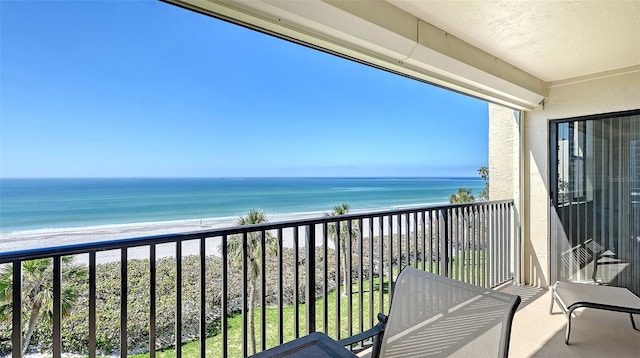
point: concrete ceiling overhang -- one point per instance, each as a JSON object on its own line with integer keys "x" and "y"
{"x": 432, "y": 41}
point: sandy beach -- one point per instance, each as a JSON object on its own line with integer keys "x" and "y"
{"x": 32, "y": 239}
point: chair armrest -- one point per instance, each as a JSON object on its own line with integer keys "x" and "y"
{"x": 376, "y": 332}
{"x": 371, "y": 332}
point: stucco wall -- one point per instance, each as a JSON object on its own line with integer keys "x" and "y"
{"x": 601, "y": 95}
{"x": 503, "y": 135}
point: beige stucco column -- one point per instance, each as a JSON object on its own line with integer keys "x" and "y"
{"x": 504, "y": 168}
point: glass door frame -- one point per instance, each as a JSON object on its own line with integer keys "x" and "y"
{"x": 553, "y": 170}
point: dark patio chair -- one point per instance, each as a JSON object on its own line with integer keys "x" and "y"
{"x": 432, "y": 315}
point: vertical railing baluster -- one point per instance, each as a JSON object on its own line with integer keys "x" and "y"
{"x": 507, "y": 240}
{"x": 178, "y": 299}
{"x": 498, "y": 230}
{"x": 517, "y": 244}
{"x": 16, "y": 315}
{"x": 438, "y": 235}
{"x": 296, "y": 283}
{"x": 444, "y": 242}
{"x": 501, "y": 242}
{"x": 460, "y": 254}
{"x": 423, "y": 233}
{"x": 455, "y": 242}
{"x": 360, "y": 274}
{"x": 484, "y": 246}
{"x": 390, "y": 234}
{"x": 224, "y": 299}
{"x": 349, "y": 285}
{"x": 469, "y": 225}
{"x": 479, "y": 251}
{"x": 381, "y": 262}
{"x": 245, "y": 281}
{"x": 415, "y": 239}
{"x": 338, "y": 275}
{"x": 509, "y": 243}
{"x": 458, "y": 241}
{"x": 512, "y": 258}
{"x": 92, "y": 304}
{"x": 473, "y": 247}
{"x": 464, "y": 247}
{"x": 491, "y": 246}
{"x": 123, "y": 301}
{"x": 475, "y": 238}
{"x": 325, "y": 279}
{"x": 407, "y": 239}
{"x": 310, "y": 277}
{"x": 496, "y": 245}
{"x": 398, "y": 220}
{"x": 371, "y": 266}
{"x": 203, "y": 298}
{"x": 280, "y": 290}
{"x": 152, "y": 300}
{"x": 57, "y": 306}
{"x": 505, "y": 244}
{"x": 263, "y": 287}
{"x": 470, "y": 252}
{"x": 497, "y": 241}
{"x": 431, "y": 222}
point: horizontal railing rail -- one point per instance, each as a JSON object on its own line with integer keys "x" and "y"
{"x": 283, "y": 279}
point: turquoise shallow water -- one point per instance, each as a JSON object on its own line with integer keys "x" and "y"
{"x": 27, "y": 204}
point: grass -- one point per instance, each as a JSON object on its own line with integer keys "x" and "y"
{"x": 214, "y": 345}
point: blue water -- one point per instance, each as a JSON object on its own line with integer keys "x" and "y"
{"x": 27, "y": 204}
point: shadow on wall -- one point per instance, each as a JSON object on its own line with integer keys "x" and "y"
{"x": 534, "y": 273}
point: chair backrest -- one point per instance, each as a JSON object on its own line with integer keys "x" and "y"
{"x": 595, "y": 248}
{"x": 432, "y": 315}
{"x": 576, "y": 258}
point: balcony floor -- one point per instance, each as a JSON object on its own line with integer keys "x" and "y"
{"x": 594, "y": 333}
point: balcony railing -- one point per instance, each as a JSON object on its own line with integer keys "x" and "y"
{"x": 468, "y": 242}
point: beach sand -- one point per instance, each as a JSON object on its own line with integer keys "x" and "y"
{"x": 32, "y": 239}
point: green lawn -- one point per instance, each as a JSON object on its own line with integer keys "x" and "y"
{"x": 234, "y": 333}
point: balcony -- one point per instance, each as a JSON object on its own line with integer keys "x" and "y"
{"x": 283, "y": 265}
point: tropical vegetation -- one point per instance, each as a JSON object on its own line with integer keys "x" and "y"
{"x": 465, "y": 195}
{"x": 484, "y": 174}
{"x": 37, "y": 292}
{"x": 237, "y": 247}
{"x": 341, "y": 237}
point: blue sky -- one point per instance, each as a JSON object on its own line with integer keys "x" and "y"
{"x": 144, "y": 89}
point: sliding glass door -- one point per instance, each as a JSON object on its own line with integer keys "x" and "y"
{"x": 595, "y": 201}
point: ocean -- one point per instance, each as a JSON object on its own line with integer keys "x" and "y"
{"x": 33, "y": 204}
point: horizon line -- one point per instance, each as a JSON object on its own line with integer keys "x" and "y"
{"x": 246, "y": 177}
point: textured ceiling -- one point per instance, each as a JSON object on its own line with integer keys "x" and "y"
{"x": 552, "y": 40}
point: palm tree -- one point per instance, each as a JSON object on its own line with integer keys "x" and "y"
{"x": 464, "y": 195}
{"x": 37, "y": 292}
{"x": 484, "y": 174}
{"x": 254, "y": 257}
{"x": 343, "y": 209}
